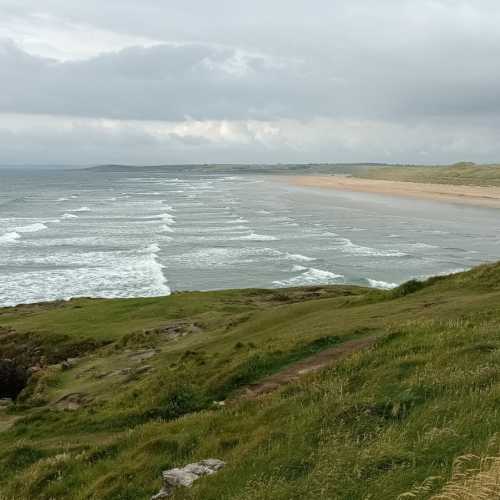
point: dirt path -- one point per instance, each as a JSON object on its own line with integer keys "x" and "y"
{"x": 327, "y": 358}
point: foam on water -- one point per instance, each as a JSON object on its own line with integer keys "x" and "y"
{"x": 347, "y": 246}
{"x": 81, "y": 209}
{"x": 220, "y": 257}
{"x": 31, "y": 228}
{"x": 420, "y": 245}
{"x": 299, "y": 257}
{"x": 10, "y": 237}
{"x": 167, "y": 218}
{"x": 257, "y": 237}
{"x": 310, "y": 276}
{"x": 69, "y": 216}
{"x": 107, "y": 274}
{"x": 383, "y": 285}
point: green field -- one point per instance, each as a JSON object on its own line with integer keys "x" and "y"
{"x": 387, "y": 421}
{"x": 464, "y": 173}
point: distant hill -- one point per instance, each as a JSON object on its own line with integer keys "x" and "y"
{"x": 289, "y": 168}
{"x": 462, "y": 173}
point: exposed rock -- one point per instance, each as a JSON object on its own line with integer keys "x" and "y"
{"x": 69, "y": 363}
{"x": 72, "y": 401}
{"x": 121, "y": 371}
{"x": 163, "y": 493}
{"x": 99, "y": 376}
{"x": 143, "y": 369}
{"x": 179, "y": 477}
{"x": 142, "y": 355}
{"x": 187, "y": 475}
{"x": 213, "y": 463}
{"x": 176, "y": 329}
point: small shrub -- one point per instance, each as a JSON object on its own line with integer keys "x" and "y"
{"x": 407, "y": 288}
{"x": 22, "y": 457}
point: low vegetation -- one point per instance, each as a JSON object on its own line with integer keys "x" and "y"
{"x": 463, "y": 173}
{"x": 122, "y": 389}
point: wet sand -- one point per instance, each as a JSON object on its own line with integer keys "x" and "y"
{"x": 471, "y": 195}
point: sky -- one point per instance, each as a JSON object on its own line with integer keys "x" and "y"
{"x": 191, "y": 81}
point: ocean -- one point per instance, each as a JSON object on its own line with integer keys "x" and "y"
{"x": 140, "y": 233}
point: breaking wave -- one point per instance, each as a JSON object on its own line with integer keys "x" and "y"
{"x": 347, "y": 246}
{"x": 10, "y": 237}
{"x": 310, "y": 276}
{"x": 257, "y": 237}
{"x": 81, "y": 209}
{"x": 31, "y": 228}
{"x": 383, "y": 285}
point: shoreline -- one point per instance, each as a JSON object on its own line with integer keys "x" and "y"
{"x": 467, "y": 195}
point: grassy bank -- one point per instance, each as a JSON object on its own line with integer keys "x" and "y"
{"x": 139, "y": 398}
{"x": 462, "y": 174}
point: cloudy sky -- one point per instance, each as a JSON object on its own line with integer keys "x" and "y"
{"x": 167, "y": 81}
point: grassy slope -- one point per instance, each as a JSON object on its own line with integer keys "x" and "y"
{"x": 460, "y": 174}
{"x": 378, "y": 424}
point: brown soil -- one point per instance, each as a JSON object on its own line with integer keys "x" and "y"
{"x": 327, "y": 358}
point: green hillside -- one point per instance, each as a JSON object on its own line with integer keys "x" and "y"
{"x": 463, "y": 173}
{"x": 387, "y": 420}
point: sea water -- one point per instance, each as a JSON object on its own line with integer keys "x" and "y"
{"x": 70, "y": 233}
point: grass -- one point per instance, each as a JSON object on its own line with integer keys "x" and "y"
{"x": 388, "y": 422}
{"x": 459, "y": 174}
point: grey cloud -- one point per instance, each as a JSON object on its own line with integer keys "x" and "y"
{"x": 397, "y": 63}
{"x": 63, "y": 140}
{"x": 172, "y": 82}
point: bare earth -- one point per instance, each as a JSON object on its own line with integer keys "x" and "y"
{"x": 327, "y": 358}
{"x": 473, "y": 195}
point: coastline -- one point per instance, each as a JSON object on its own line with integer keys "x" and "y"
{"x": 469, "y": 195}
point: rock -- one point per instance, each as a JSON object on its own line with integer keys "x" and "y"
{"x": 69, "y": 363}
{"x": 213, "y": 463}
{"x": 143, "y": 369}
{"x": 179, "y": 477}
{"x": 72, "y": 401}
{"x": 163, "y": 493}
{"x": 198, "y": 469}
{"x": 143, "y": 355}
{"x": 187, "y": 475}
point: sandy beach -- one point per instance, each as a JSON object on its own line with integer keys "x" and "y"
{"x": 471, "y": 195}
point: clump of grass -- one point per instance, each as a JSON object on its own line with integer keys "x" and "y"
{"x": 473, "y": 478}
{"x": 407, "y": 288}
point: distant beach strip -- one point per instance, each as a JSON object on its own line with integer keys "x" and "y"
{"x": 470, "y": 195}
